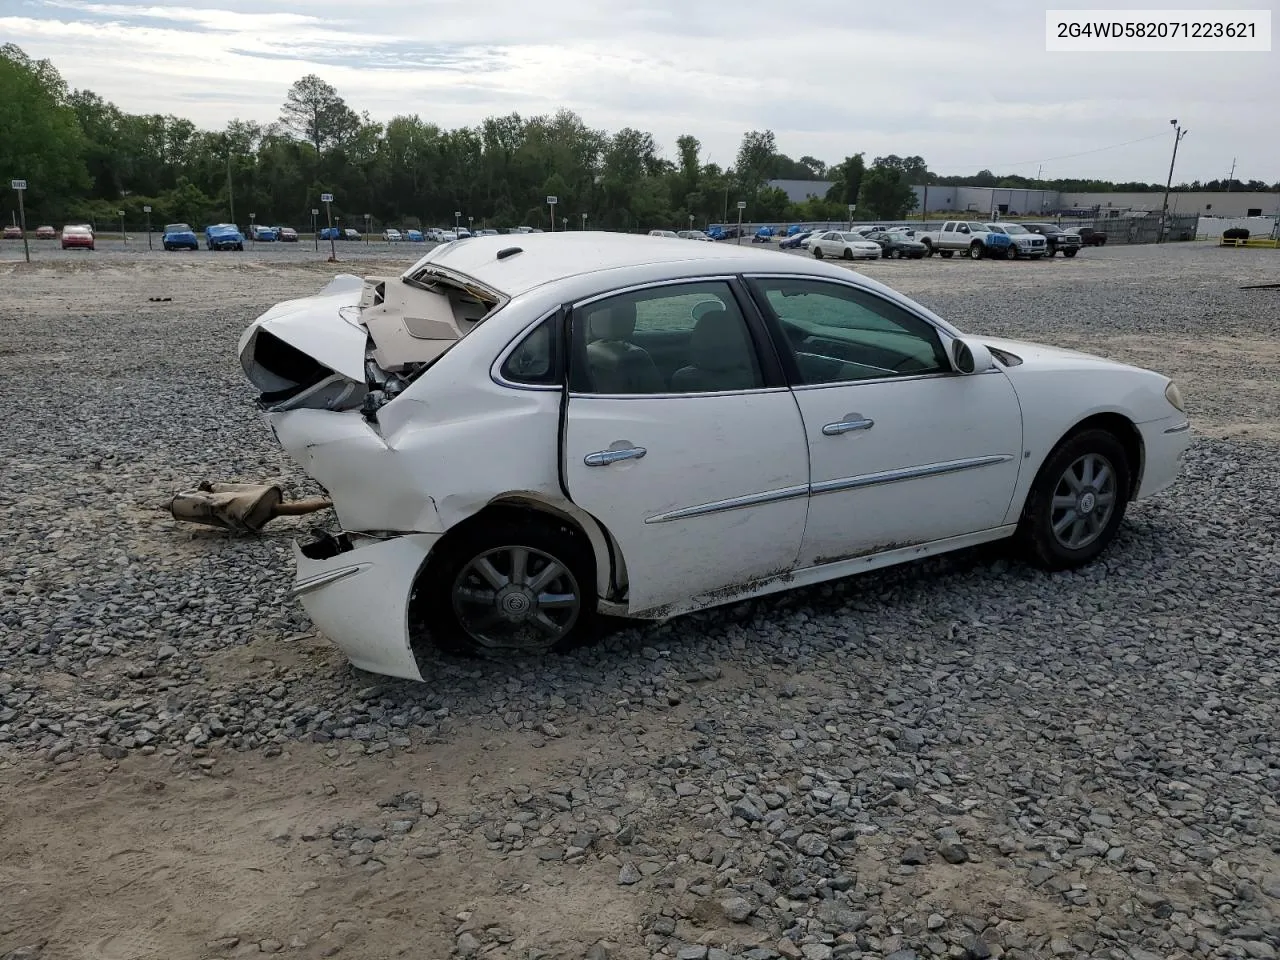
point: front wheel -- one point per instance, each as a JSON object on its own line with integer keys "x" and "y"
{"x": 848, "y": 253}
{"x": 1077, "y": 502}
{"x": 1069, "y": 253}
{"x": 817, "y": 253}
{"x": 928, "y": 249}
{"x": 1010, "y": 253}
{"x": 522, "y": 585}
{"x": 975, "y": 251}
{"x": 948, "y": 254}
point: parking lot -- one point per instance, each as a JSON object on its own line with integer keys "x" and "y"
{"x": 965, "y": 757}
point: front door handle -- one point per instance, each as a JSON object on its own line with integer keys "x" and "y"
{"x": 852, "y": 421}
{"x": 602, "y": 458}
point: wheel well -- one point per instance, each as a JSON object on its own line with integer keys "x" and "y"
{"x": 1123, "y": 429}
{"x": 599, "y": 541}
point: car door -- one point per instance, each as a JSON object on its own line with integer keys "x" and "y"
{"x": 701, "y": 472}
{"x": 902, "y": 449}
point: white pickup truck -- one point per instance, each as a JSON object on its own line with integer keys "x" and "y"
{"x": 966, "y": 236}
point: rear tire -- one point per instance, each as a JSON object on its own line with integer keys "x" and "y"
{"x": 484, "y": 600}
{"x": 928, "y": 248}
{"x": 1077, "y": 501}
{"x": 947, "y": 254}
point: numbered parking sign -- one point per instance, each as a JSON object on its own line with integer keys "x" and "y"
{"x": 326, "y": 198}
{"x": 18, "y": 184}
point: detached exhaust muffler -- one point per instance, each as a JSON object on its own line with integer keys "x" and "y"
{"x": 242, "y": 507}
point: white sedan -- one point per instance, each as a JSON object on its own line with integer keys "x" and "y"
{"x": 521, "y": 433}
{"x": 849, "y": 245}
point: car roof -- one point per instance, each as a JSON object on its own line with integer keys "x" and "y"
{"x": 548, "y": 257}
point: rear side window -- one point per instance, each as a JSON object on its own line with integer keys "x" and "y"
{"x": 534, "y": 360}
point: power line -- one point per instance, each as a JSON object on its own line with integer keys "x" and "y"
{"x": 1068, "y": 156}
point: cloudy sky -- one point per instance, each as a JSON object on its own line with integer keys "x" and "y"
{"x": 965, "y": 85}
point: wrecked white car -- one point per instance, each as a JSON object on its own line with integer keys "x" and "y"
{"x": 521, "y": 433}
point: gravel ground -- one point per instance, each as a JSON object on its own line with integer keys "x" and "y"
{"x": 961, "y": 758}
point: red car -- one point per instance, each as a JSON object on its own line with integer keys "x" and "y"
{"x": 46, "y": 233}
{"x": 13, "y": 233}
{"x": 77, "y": 236}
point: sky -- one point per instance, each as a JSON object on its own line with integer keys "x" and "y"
{"x": 965, "y": 85}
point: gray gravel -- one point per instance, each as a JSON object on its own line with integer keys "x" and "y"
{"x": 961, "y": 758}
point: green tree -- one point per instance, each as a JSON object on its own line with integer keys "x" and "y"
{"x": 314, "y": 112}
{"x": 41, "y": 141}
{"x": 756, "y": 161}
{"x": 848, "y": 176}
{"x": 887, "y": 192}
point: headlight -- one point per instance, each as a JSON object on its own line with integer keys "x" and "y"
{"x": 1174, "y": 396}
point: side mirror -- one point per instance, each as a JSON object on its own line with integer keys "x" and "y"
{"x": 969, "y": 356}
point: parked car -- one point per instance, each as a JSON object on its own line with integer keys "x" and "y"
{"x": 12, "y": 232}
{"x": 447, "y": 236}
{"x": 966, "y": 236}
{"x": 1025, "y": 243}
{"x": 628, "y": 433}
{"x": 1091, "y": 237}
{"x": 897, "y": 245}
{"x": 350, "y": 233}
{"x": 843, "y": 243}
{"x": 78, "y": 235}
{"x": 1057, "y": 239}
{"x": 330, "y": 233}
{"x": 391, "y": 235}
{"x": 46, "y": 233}
{"x": 264, "y": 234}
{"x": 763, "y": 235}
{"x": 288, "y": 235}
{"x": 414, "y": 236}
{"x": 670, "y": 234}
{"x": 463, "y": 233}
{"x": 223, "y": 236}
{"x": 792, "y": 241}
{"x": 693, "y": 235}
{"x": 179, "y": 236}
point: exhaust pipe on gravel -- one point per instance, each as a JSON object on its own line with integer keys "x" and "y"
{"x": 240, "y": 507}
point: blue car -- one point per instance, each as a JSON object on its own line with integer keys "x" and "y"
{"x": 414, "y": 236}
{"x": 795, "y": 239}
{"x": 179, "y": 236}
{"x": 763, "y": 235}
{"x": 330, "y": 233}
{"x": 223, "y": 236}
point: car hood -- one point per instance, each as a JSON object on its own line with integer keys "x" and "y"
{"x": 1042, "y": 356}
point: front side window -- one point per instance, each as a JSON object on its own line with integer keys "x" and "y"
{"x": 840, "y": 334}
{"x": 681, "y": 338}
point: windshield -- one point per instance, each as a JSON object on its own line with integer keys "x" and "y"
{"x": 1014, "y": 229}
{"x": 994, "y": 229}
{"x": 177, "y": 228}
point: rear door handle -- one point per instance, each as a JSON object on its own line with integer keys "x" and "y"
{"x": 602, "y": 458}
{"x": 852, "y": 421}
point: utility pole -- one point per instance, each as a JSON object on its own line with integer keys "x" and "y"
{"x": 1232, "y": 175}
{"x": 231, "y": 200}
{"x": 1178, "y": 134}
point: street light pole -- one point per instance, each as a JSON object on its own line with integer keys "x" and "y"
{"x": 147, "y": 210}
{"x": 1178, "y": 134}
{"x": 742, "y": 205}
{"x": 584, "y": 221}
{"x": 551, "y": 202}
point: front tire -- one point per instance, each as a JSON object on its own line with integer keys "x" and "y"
{"x": 1069, "y": 253}
{"x": 975, "y": 251}
{"x": 522, "y": 584}
{"x": 817, "y": 253}
{"x": 1077, "y": 502}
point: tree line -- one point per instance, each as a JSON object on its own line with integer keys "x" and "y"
{"x": 85, "y": 159}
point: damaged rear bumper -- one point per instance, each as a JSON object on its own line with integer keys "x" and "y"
{"x": 359, "y": 597}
